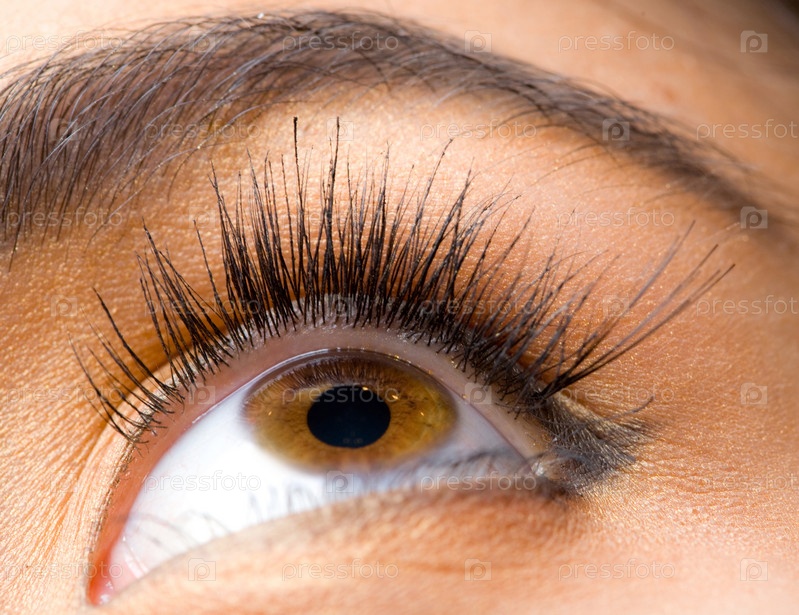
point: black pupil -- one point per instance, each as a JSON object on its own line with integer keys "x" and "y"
{"x": 351, "y": 416}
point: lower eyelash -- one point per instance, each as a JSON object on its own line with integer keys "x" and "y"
{"x": 360, "y": 269}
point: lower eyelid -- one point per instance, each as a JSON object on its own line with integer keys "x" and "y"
{"x": 412, "y": 531}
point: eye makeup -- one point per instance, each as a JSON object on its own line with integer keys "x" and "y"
{"x": 365, "y": 259}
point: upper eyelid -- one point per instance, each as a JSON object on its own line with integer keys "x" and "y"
{"x": 194, "y": 346}
{"x": 56, "y": 119}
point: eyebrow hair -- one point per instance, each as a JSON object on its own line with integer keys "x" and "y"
{"x": 86, "y": 129}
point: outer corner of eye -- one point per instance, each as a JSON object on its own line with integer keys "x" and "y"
{"x": 319, "y": 427}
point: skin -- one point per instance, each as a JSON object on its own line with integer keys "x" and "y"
{"x": 716, "y": 487}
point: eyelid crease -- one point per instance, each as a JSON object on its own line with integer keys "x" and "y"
{"x": 360, "y": 270}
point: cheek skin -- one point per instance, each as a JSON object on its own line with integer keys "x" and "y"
{"x": 442, "y": 536}
{"x": 475, "y": 552}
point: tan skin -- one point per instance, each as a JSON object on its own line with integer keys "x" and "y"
{"x": 718, "y": 484}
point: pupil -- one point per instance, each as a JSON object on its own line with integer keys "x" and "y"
{"x": 351, "y": 416}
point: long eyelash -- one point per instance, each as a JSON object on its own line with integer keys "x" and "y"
{"x": 363, "y": 269}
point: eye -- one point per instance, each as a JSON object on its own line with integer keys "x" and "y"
{"x": 311, "y": 430}
{"x": 358, "y": 349}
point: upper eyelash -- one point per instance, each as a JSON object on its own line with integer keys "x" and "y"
{"x": 406, "y": 282}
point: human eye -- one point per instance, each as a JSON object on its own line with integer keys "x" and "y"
{"x": 241, "y": 253}
{"x": 351, "y": 346}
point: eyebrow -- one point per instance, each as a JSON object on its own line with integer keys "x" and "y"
{"x": 84, "y": 131}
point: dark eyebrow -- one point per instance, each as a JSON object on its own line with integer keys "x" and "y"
{"x": 85, "y": 130}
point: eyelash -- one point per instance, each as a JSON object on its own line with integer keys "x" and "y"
{"x": 377, "y": 278}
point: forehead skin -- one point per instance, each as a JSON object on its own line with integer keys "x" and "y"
{"x": 690, "y": 506}
{"x": 692, "y": 47}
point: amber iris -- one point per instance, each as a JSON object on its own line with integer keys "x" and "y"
{"x": 349, "y": 409}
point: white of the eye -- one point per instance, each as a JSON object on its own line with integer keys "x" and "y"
{"x": 216, "y": 480}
